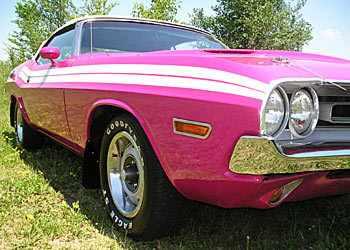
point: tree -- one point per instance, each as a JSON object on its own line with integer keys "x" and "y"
{"x": 96, "y": 7}
{"x": 257, "y": 24}
{"x": 36, "y": 20}
{"x": 160, "y": 9}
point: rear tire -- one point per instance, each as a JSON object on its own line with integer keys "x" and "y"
{"x": 138, "y": 196}
{"x": 27, "y": 137}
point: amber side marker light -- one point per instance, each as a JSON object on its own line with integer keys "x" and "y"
{"x": 276, "y": 195}
{"x": 284, "y": 191}
{"x": 191, "y": 128}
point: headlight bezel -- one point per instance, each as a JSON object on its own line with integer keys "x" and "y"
{"x": 285, "y": 116}
{"x": 315, "y": 112}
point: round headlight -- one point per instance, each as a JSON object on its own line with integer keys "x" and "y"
{"x": 303, "y": 112}
{"x": 274, "y": 112}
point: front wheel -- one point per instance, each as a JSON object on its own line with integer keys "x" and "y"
{"x": 138, "y": 196}
{"x": 27, "y": 137}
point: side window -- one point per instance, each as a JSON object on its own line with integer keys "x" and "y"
{"x": 64, "y": 42}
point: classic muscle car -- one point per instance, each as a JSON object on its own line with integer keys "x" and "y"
{"x": 164, "y": 113}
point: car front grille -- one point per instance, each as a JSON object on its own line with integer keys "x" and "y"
{"x": 334, "y": 106}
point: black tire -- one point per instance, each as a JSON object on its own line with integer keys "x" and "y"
{"x": 26, "y": 137}
{"x": 144, "y": 203}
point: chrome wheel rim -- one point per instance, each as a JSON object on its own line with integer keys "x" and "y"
{"x": 125, "y": 174}
{"x": 19, "y": 126}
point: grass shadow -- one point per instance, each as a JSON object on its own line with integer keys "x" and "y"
{"x": 314, "y": 224}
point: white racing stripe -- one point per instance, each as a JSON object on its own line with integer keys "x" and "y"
{"x": 162, "y": 81}
{"x": 23, "y": 75}
{"x": 154, "y": 75}
{"x": 173, "y": 70}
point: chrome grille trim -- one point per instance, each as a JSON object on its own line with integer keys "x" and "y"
{"x": 330, "y": 98}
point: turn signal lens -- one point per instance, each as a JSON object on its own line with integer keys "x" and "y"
{"x": 195, "y": 129}
{"x": 281, "y": 193}
{"x": 276, "y": 195}
{"x": 191, "y": 128}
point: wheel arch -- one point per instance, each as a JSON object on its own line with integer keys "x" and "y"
{"x": 100, "y": 113}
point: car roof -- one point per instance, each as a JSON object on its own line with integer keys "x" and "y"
{"x": 133, "y": 19}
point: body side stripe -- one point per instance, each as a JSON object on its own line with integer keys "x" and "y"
{"x": 150, "y": 80}
{"x": 161, "y": 70}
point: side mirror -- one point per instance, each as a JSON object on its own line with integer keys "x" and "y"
{"x": 50, "y": 53}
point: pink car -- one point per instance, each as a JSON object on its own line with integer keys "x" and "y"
{"x": 165, "y": 113}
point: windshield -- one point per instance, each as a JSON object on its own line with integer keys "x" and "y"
{"x": 119, "y": 37}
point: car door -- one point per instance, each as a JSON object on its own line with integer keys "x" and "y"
{"x": 43, "y": 93}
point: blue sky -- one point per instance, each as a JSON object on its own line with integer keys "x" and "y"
{"x": 329, "y": 18}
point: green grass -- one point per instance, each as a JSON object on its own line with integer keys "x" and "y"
{"x": 44, "y": 206}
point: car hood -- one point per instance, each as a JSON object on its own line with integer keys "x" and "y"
{"x": 263, "y": 65}
{"x": 282, "y": 64}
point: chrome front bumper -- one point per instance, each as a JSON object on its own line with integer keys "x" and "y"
{"x": 257, "y": 155}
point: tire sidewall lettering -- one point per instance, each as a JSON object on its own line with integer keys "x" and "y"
{"x": 118, "y": 219}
